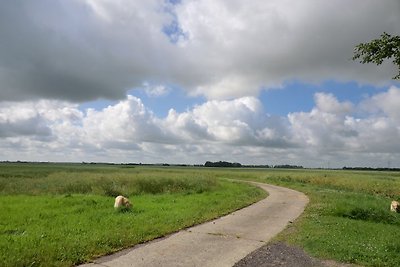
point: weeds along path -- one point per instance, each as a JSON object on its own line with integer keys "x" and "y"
{"x": 221, "y": 242}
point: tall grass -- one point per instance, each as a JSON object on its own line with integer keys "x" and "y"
{"x": 112, "y": 182}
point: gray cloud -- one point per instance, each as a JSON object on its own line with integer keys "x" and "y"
{"x": 27, "y": 127}
{"x": 64, "y": 50}
{"x": 85, "y": 50}
{"x": 245, "y": 45}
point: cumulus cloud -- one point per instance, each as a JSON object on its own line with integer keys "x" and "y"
{"x": 129, "y": 121}
{"x": 331, "y": 126}
{"x": 236, "y": 122}
{"x": 86, "y": 50}
{"x": 334, "y": 131}
{"x": 387, "y": 102}
{"x": 329, "y": 104}
{"x": 35, "y": 119}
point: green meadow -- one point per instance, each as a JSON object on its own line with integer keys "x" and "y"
{"x": 61, "y": 215}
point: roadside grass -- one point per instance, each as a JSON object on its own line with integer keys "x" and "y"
{"x": 348, "y": 218}
{"x": 348, "y": 227}
{"x": 64, "y": 216}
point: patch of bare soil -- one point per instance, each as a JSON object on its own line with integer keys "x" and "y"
{"x": 281, "y": 254}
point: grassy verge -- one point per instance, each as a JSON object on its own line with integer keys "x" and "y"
{"x": 63, "y": 217}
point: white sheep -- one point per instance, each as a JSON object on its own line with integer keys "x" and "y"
{"x": 395, "y": 206}
{"x": 121, "y": 201}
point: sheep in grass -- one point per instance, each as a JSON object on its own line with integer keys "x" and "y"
{"x": 395, "y": 206}
{"x": 122, "y": 202}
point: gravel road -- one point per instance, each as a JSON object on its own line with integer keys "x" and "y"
{"x": 283, "y": 255}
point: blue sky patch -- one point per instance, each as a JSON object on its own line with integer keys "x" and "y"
{"x": 298, "y": 96}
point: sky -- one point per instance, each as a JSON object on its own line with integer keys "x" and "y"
{"x": 189, "y": 81}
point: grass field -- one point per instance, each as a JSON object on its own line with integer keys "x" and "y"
{"x": 61, "y": 215}
{"x": 347, "y": 219}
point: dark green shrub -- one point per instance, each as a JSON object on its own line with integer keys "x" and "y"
{"x": 372, "y": 215}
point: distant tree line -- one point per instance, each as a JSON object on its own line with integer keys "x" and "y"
{"x": 287, "y": 166}
{"x": 222, "y": 164}
{"x": 371, "y": 169}
{"x": 238, "y": 165}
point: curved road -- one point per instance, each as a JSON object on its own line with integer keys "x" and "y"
{"x": 221, "y": 242}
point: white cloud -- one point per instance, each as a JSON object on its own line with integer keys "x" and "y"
{"x": 35, "y": 118}
{"x": 387, "y": 102}
{"x": 236, "y": 122}
{"x": 329, "y": 104}
{"x": 128, "y": 122}
{"x": 331, "y": 126}
{"x": 341, "y": 133}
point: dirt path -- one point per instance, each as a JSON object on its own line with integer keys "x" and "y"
{"x": 221, "y": 242}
